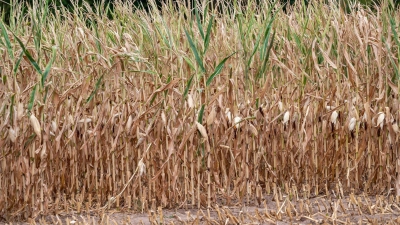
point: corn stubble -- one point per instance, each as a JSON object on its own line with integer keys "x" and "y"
{"x": 155, "y": 110}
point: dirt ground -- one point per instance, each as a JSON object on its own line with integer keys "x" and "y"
{"x": 352, "y": 209}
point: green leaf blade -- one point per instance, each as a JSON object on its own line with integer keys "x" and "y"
{"x": 201, "y": 113}
{"x": 208, "y": 34}
{"x": 195, "y": 52}
{"x": 7, "y": 40}
{"x": 29, "y": 56}
{"x": 48, "y": 67}
{"x": 218, "y": 69}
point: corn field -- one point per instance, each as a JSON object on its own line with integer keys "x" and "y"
{"x": 189, "y": 109}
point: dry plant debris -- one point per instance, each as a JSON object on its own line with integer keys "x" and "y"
{"x": 192, "y": 110}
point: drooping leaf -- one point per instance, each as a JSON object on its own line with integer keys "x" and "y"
{"x": 217, "y": 70}
{"x": 29, "y": 56}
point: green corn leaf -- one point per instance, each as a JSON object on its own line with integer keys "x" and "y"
{"x": 189, "y": 62}
{"x": 48, "y": 67}
{"x": 207, "y": 38}
{"x": 17, "y": 63}
{"x": 266, "y": 57}
{"x": 165, "y": 40}
{"x": 250, "y": 26}
{"x": 45, "y": 11}
{"x": 267, "y": 30}
{"x": 170, "y": 39}
{"x": 96, "y": 31}
{"x": 217, "y": 70}
{"x": 240, "y": 23}
{"x": 29, "y": 56}
{"x": 95, "y": 89}
{"x": 254, "y": 50}
{"x": 153, "y": 99}
{"x": 199, "y": 25}
{"x": 200, "y": 116}
{"x": 195, "y": 52}
{"x": 395, "y": 34}
{"x": 7, "y": 40}
{"x": 46, "y": 92}
{"x": 266, "y": 39}
{"x": 32, "y": 99}
{"x": 188, "y": 85}
{"x": 29, "y": 141}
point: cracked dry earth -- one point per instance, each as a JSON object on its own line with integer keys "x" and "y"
{"x": 352, "y": 209}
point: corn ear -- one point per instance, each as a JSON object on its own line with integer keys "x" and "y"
{"x": 36, "y": 125}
